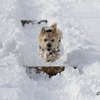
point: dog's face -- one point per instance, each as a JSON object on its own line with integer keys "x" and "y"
{"x": 48, "y": 39}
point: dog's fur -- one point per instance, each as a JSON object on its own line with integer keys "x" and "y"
{"x": 49, "y": 42}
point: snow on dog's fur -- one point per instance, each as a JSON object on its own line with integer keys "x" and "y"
{"x": 49, "y": 43}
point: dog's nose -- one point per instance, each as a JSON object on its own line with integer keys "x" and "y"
{"x": 49, "y": 45}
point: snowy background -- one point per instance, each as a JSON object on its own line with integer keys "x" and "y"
{"x": 79, "y": 20}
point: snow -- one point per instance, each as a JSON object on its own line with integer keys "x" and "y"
{"x": 79, "y": 20}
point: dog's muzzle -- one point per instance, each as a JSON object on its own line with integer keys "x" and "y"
{"x": 49, "y": 45}
{"x": 49, "y": 49}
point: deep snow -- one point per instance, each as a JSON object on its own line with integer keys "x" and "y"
{"x": 79, "y": 20}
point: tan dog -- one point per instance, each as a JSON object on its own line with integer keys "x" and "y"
{"x": 49, "y": 39}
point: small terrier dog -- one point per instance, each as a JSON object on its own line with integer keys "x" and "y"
{"x": 49, "y": 43}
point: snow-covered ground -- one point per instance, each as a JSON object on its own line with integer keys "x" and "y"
{"x": 79, "y": 21}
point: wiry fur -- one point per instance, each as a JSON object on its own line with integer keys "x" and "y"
{"x": 45, "y": 50}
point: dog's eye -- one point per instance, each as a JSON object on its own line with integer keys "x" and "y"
{"x": 45, "y": 40}
{"x": 52, "y": 40}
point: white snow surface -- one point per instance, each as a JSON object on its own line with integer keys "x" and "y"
{"x": 79, "y": 20}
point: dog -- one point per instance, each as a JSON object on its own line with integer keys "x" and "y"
{"x": 49, "y": 41}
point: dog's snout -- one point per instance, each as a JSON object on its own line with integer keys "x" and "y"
{"x": 49, "y": 45}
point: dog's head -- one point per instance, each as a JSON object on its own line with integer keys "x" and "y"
{"x": 48, "y": 38}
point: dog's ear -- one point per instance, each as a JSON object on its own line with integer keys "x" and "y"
{"x": 54, "y": 30}
{"x": 43, "y": 30}
{"x": 54, "y": 25}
